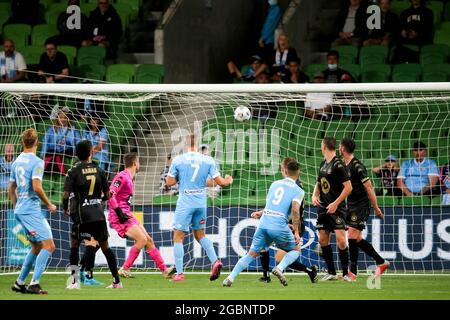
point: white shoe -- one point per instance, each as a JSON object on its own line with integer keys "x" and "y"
{"x": 73, "y": 283}
{"x": 329, "y": 277}
{"x": 227, "y": 282}
{"x": 347, "y": 278}
{"x": 125, "y": 273}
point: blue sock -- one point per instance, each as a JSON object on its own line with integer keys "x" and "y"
{"x": 26, "y": 267}
{"x": 240, "y": 266}
{"x": 178, "y": 252}
{"x": 41, "y": 263}
{"x": 209, "y": 248}
{"x": 288, "y": 259}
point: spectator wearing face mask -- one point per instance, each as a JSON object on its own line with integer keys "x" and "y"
{"x": 334, "y": 74}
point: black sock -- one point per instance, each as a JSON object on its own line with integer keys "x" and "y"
{"x": 112, "y": 264}
{"x": 370, "y": 251}
{"x": 89, "y": 261}
{"x": 327, "y": 253}
{"x": 83, "y": 262}
{"x": 265, "y": 261}
{"x": 343, "y": 257}
{"x": 74, "y": 256}
{"x": 354, "y": 252}
{"x": 296, "y": 265}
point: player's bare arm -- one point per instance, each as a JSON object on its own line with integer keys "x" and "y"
{"x": 315, "y": 196}
{"x": 331, "y": 208}
{"x": 37, "y": 187}
{"x": 170, "y": 181}
{"x": 257, "y": 214}
{"x": 12, "y": 193}
{"x": 224, "y": 181}
{"x": 295, "y": 212}
{"x": 373, "y": 199}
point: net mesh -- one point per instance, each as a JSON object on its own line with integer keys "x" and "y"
{"x": 414, "y": 235}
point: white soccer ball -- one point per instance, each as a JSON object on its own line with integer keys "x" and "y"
{"x": 242, "y": 113}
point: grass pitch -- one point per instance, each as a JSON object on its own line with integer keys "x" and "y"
{"x": 246, "y": 286}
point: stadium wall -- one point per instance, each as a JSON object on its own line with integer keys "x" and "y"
{"x": 412, "y": 238}
{"x": 203, "y": 35}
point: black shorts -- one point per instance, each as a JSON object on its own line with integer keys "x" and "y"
{"x": 357, "y": 217}
{"x": 96, "y": 230}
{"x": 331, "y": 222}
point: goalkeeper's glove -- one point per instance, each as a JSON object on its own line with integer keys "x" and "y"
{"x": 121, "y": 215}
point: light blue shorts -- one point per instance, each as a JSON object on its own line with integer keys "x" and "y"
{"x": 36, "y": 227}
{"x": 263, "y": 238}
{"x": 189, "y": 217}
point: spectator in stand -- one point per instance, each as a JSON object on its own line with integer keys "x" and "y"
{"x": 250, "y": 73}
{"x": 334, "y": 74}
{"x": 318, "y": 104}
{"x": 98, "y": 135}
{"x": 86, "y": 107}
{"x": 165, "y": 190}
{"x": 262, "y": 78}
{"x": 267, "y": 39}
{"x": 105, "y": 28}
{"x": 5, "y": 166}
{"x": 59, "y": 141}
{"x": 352, "y": 24}
{"x": 388, "y": 173}
{"x": 278, "y": 60}
{"x": 12, "y": 63}
{"x": 24, "y": 11}
{"x": 70, "y": 37}
{"x": 416, "y": 28}
{"x": 445, "y": 179}
{"x": 419, "y": 176}
{"x": 53, "y": 65}
{"x": 385, "y": 36}
{"x": 294, "y": 74}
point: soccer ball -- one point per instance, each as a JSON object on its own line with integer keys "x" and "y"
{"x": 242, "y": 113}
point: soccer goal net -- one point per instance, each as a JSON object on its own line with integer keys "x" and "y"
{"x": 386, "y": 121}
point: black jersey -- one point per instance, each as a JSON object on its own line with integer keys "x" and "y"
{"x": 358, "y": 176}
{"x": 301, "y": 211}
{"x": 86, "y": 182}
{"x": 331, "y": 177}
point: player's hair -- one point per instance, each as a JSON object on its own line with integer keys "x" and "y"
{"x": 83, "y": 150}
{"x": 349, "y": 144}
{"x": 29, "y": 138}
{"x": 330, "y": 143}
{"x": 129, "y": 159}
{"x": 291, "y": 165}
{"x": 191, "y": 140}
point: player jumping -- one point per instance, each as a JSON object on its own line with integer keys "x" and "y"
{"x": 126, "y": 225}
{"x": 284, "y": 197}
{"x": 359, "y": 210}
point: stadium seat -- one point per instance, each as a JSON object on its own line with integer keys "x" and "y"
{"x": 435, "y": 77}
{"x": 53, "y": 11}
{"x": 90, "y": 71}
{"x": 41, "y": 33}
{"x": 313, "y": 68}
{"x": 6, "y": 9}
{"x": 147, "y": 78}
{"x": 436, "y": 48}
{"x": 4, "y": 16}
{"x": 443, "y": 67}
{"x": 134, "y": 4}
{"x": 32, "y": 54}
{"x": 374, "y": 77}
{"x": 373, "y": 54}
{"x": 442, "y": 37}
{"x": 398, "y": 6}
{"x": 151, "y": 69}
{"x": 347, "y": 50}
{"x": 354, "y": 69}
{"x": 47, "y": 3}
{"x": 164, "y": 200}
{"x": 432, "y": 58}
{"x": 380, "y": 67}
{"x": 19, "y": 33}
{"x": 121, "y": 73}
{"x": 91, "y": 55}
{"x": 86, "y": 8}
{"x": 386, "y": 201}
{"x": 407, "y": 72}
{"x": 415, "y": 201}
{"x": 70, "y": 52}
{"x": 126, "y": 14}
{"x": 438, "y": 8}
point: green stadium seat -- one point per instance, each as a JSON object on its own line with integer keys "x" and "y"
{"x": 407, "y": 72}
{"x": 436, "y": 201}
{"x": 121, "y": 73}
{"x": 433, "y": 68}
{"x": 152, "y": 69}
{"x": 5, "y": 8}
{"x": 32, "y": 54}
{"x": 313, "y": 68}
{"x": 372, "y": 54}
{"x": 354, "y": 69}
{"x": 164, "y": 200}
{"x": 347, "y": 50}
{"x": 47, "y": 3}
{"x": 90, "y": 71}
{"x": 346, "y": 59}
{"x": 87, "y": 8}
{"x": 436, "y": 48}
{"x": 126, "y": 14}
{"x": 398, "y": 6}
{"x": 432, "y": 58}
{"x": 386, "y": 201}
{"x": 41, "y": 33}
{"x": 415, "y": 201}
{"x": 148, "y": 78}
{"x": 91, "y": 55}
{"x": 438, "y": 8}
{"x": 70, "y": 52}
{"x": 376, "y": 73}
{"x": 435, "y": 77}
{"x": 19, "y": 33}
{"x": 53, "y": 11}
{"x": 442, "y": 37}
{"x": 4, "y": 16}
{"x": 134, "y": 4}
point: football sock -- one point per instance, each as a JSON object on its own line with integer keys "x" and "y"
{"x": 288, "y": 259}
{"x": 328, "y": 257}
{"x": 343, "y": 257}
{"x": 297, "y": 265}
{"x": 207, "y": 245}
{"x": 132, "y": 255}
{"x": 365, "y": 246}
{"x": 156, "y": 256}
{"x": 89, "y": 261}
{"x": 265, "y": 262}
{"x": 354, "y": 252}
{"x": 178, "y": 252}
{"x": 74, "y": 256}
{"x": 41, "y": 263}
{"x": 241, "y": 265}
{"x": 26, "y": 267}
{"x": 112, "y": 264}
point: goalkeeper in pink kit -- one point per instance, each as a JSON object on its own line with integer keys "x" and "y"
{"x": 126, "y": 225}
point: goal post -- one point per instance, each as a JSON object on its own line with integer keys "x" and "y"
{"x": 154, "y": 120}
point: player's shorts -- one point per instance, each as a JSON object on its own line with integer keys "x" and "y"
{"x": 263, "y": 238}
{"x": 189, "y": 217}
{"x": 331, "y": 222}
{"x": 96, "y": 230}
{"x": 357, "y": 217}
{"x": 122, "y": 228}
{"x": 36, "y": 227}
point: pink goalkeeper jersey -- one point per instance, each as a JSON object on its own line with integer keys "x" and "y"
{"x": 122, "y": 189}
